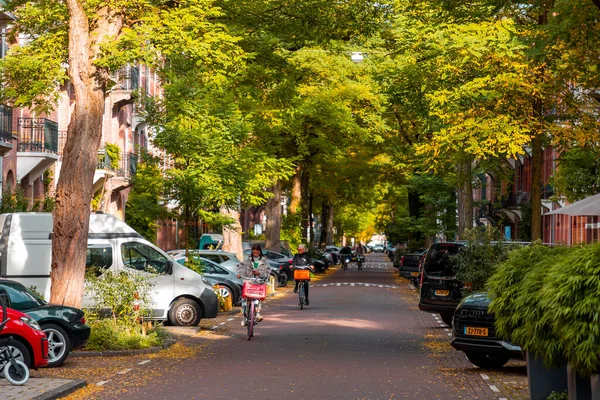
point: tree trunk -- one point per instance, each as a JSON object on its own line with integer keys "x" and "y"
{"x": 325, "y": 209}
{"x": 84, "y": 134}
{"x": 329, "y": 241}
{"x": 311, "y": 221}
{"x": 536, "y": 184}
{"x": 465, "y": 198}
{"x": 232, "y": 235}
{"x": 296, "y": 190}
{"x": 305, "y": 206}
{"x": 273, "y": 229}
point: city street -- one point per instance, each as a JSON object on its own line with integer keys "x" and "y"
{"x": 362, "y": 337}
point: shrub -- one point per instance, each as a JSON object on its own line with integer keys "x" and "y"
{"x": 570, "y": 299}
{"x": 476, "y": 262}
{"x": 127, "y": 295}
{"x": 515, "y": 291}
{"x": 108, "y": 334}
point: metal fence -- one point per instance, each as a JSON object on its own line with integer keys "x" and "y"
{"x": 37, "y": 135}
{"x": 5, "y": 123}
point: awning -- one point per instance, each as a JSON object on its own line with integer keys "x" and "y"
{"x": 588, "y": 206}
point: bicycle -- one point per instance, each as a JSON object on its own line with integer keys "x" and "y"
{"x": 359, "y": 261}
{"x": 15, "y": 371}
{"x": 346, "y": 259}
{"x": 302, "y": 275}
{"x": 254, "y": 291}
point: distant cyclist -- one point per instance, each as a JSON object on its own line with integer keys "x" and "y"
{"x": 302, "y": 259}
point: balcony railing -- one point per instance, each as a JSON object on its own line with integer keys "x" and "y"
{"x": 38, "y": 135}
{"x": 127, "y": 78}
{"x": 127, "y": 164}
{"x": 5, "y": 123}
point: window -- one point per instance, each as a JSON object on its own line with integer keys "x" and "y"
{"x": 99, "y": 256}
{"x": 219, "y": 270}
{"x": 21, "y": 298}
{"x": 212, "y": 257}
{"x": 142, "y": 257}
{"x": 440, "y": 262}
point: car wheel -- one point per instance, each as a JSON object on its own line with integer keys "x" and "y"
{"x": 19, "y": 351}
{"x": 185, "y": 312}
{"x": 283, "y": 280}
{"x": 486, "y": 360}
{"x": 447, "y": 318}
{"x": 223, "y": 291}
{"x": 59, "y": 344}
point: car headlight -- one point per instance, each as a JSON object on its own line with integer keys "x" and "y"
{"x": 31, "y": 322}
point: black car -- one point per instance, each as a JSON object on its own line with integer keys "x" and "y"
{"x": 440, "y": 290}
{"x": 474, "y": 333}
{"x": 64, "y": 326}
{"x": 320, "y": 262}
{"x": 408, "y": 265}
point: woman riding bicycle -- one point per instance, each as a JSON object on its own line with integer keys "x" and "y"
{"x": 256, "y": 266}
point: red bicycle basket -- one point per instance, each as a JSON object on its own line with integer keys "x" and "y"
{"x": 254, "y": 291}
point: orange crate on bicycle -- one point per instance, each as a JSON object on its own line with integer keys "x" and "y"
{"x": 301, "y": 275}
{"x": 254, "y": 290}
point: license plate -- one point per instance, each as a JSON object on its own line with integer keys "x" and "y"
{"x": 414, "y": 274}
{"x": 469, "y": 330}
{"x": 442, "y": 292}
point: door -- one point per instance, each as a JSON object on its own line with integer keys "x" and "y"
{"x": 141, "y": 257}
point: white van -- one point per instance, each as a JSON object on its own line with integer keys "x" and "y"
{"x": 181, "y": 296}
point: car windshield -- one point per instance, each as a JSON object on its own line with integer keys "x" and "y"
{"x": 22, "y": 298}
{"x": 439, "y": 260}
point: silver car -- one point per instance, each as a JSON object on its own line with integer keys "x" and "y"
{"x": 226, "y": 260}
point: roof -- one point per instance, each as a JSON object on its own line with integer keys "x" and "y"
{"x": 588, "y": 206}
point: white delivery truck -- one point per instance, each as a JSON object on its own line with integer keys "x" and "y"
{"x": 180, "y": 295}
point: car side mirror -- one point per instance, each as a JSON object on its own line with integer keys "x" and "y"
{"x": 169, "y": 268}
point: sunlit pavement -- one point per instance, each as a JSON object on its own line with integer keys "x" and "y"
{"x": 362, "y": 337}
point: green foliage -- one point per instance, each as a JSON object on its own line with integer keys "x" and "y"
{"x": 520, "y": 312}
{"x": 291, "y": 230}
{"x": 578, "y": 173}
{"x": 114, "y": 154}
{"x": 144, "y": 203}
{"x": 126, "y": 294}
{"x": 108, "y": 334}
{"x": 14, "y": 200}
{"x": 478, "y": 260}
{"x": 558, "y": 396}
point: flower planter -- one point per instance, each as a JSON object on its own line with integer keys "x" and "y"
{"x": 543, "y": 381}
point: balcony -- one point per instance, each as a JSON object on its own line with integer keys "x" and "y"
{"x": 119, "y": 173}
{"x": 37, "y": 147}
{"x": 125, "y": 80}
{"x": 5, "y": 130}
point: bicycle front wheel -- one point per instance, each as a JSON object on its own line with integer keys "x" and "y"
{"x": 251, "y": 320}
{"x": 301, "y": 294}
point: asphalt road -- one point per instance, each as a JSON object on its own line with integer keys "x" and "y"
{"x": 358, "y": 339}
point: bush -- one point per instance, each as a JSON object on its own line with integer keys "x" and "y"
{"x": 127, "y": 295}
{"x": 516, "y": 304}
{"x": 108, "y": 334}
{"x": 476, "y": 262}
{"x": 570, "y": 299}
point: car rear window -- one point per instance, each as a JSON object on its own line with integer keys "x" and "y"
{"x": 439, "y": 260}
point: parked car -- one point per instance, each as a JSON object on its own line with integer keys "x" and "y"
{"x": 440, "y": 290}
{"x": 64, "y": 326}
{"x": 473, "y": 332}
{"x": 335, "y": 253}
{"x": 29, "y": 343}
{"x": 409, "y": 266}
{"x": 378, "y": 248}
{"x": 284, "y": 248}
{"x": 228, "y": 281}
{"x": 180, "y": 296}
{"x": 276, "y": 260}
{"x": 320, "y": 261}
{"x": 224, "y": 259}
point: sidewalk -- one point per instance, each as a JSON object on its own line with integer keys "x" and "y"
{"x": 40, "y": 389}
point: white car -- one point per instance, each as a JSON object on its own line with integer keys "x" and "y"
{"x": 229, "y": 261}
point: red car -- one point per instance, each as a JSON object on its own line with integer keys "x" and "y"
{"x": 27, "y": 337}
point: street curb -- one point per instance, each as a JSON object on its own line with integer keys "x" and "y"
{"x": 62, "y": 390}
{"x": 116, "y": 353}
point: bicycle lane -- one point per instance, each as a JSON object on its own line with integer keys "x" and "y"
{"x": 358, "y": 340}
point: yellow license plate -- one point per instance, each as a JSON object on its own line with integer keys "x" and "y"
{"x": 414, "y": 274}
{"x": 469, "y": 330}
{"x": 442, "y": 292}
